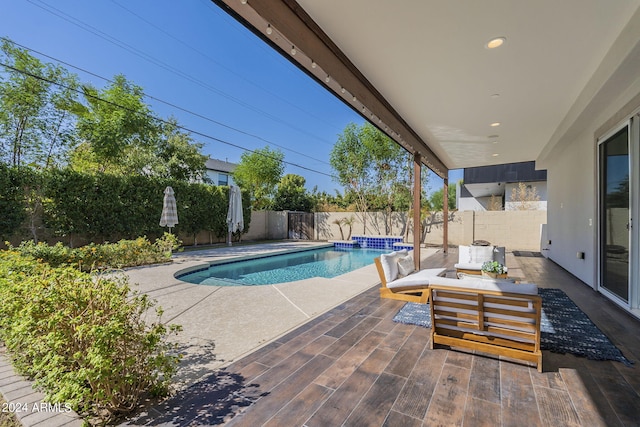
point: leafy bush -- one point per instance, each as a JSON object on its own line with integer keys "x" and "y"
{"x": 83, "y": 338}
{"x": 125, "y": 253}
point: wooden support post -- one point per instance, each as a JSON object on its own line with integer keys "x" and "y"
{"x": 417, "y": 195}
{"x": 445, "y": 217}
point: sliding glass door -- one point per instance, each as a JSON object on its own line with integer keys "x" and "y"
{"x": 615, "y": 214}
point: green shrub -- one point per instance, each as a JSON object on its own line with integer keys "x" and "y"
{"x": 125, "y": 253}
{"x": 68, "y": 204}
{"x": 84, "y": 339}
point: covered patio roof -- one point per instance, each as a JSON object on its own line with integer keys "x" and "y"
{"x": 421, "y": 71}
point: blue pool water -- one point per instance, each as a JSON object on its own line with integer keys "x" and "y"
{"x": 325, "y": 262}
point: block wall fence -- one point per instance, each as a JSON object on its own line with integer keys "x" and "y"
{"x": 516, "y": 230}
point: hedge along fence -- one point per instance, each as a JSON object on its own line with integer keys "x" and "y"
{"x": 71, "y": 205}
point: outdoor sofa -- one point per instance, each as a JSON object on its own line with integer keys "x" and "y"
{"x": 496, "y": 316}
{"x": 399, "y": 281}
{"x": 471, "y": 258}
{"x": 488, "y": 315}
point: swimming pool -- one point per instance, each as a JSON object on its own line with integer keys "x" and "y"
{"x": 324, "y": 262}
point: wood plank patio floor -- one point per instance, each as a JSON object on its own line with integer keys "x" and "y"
{"x": 354, "y": 366}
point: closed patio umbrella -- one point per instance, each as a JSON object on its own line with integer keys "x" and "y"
{"x": 235, "y": 218}
{"x": 169, "y": 217}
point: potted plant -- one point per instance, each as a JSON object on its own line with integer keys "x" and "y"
{"x": 493, "y": 269}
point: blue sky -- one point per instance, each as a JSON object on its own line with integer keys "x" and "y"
{"x": 191, "y": 54}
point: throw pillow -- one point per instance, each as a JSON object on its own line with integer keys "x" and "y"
{"x": 405, "y": 265}
{"x": 389, "y": 266}
{"x": 480, "y": 254}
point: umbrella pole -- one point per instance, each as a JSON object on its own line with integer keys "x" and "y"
{"x": 229, "y": 239}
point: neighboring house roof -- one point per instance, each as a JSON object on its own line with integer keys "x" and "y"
{"x": 510, "y": 172}
{"x": 220, "y": 165}
{"x": 483, "y": 181}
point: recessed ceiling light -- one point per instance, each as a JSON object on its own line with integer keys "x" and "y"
{"x": 495, "y": 124}
{"x": 495, "y": 155}
{"x": 495, "y": 95}
{"x": 495, "y": 42}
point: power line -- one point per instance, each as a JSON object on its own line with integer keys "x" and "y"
{"x": 136, "y": 52}
{"x": 168, "y": 103}
{"x": 217, "y": 63}
{"x": 151, "y": 116}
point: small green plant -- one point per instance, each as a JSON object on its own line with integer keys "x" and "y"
{"x": 493, "y": 267}
{"x": 88, "y": 341}
{"x": 124, "y": 253}
{"x": 167, "y": 244}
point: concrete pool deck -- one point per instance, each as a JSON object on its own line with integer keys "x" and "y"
{"x": 220, "y": 324}
{"x": 223, "y": 323}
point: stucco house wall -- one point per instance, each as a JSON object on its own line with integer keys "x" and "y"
{"x": 572, "y": 168}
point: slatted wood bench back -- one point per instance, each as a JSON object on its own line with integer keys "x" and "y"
{"x": 505, "y": 324}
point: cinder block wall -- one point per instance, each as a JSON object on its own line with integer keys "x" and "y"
{"x": 267, "y": 225}
{"x": 516, "y": 230}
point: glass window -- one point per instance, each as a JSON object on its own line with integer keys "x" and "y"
{"x": 223, "y": 179}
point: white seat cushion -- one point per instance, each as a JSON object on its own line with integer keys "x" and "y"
{"x": 463, "y": 276}
{"x": 469, "y": 266}
{"x": 489, "y": 285}
{"x": 419, "y": 279}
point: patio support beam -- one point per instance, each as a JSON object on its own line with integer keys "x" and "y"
{"x": 417, "y": 196}
{"x": 318, "y": 56}
{"x": 445, "y": 217}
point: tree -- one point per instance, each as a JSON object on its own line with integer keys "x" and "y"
{"x": 524, "y": 197}
{"x": 351, "y": 160}
{"x": 36, "y": 105}
{"x": 116, "y": 125}
{"x": 437, "y": 199}
{"x": 259, "y": 172}
{"x": 325, "y": 202}
{"x": 122, "y": 137}
{"x": 391, "y": 170}
{"x": 370, "y": 166}
{"x": 176, "y": 156}
{"x": 291, "y": 195}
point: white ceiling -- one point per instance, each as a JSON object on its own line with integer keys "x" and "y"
{"x": 428, "y": 59}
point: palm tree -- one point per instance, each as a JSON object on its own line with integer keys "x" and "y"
{"x": 338, "y": 222}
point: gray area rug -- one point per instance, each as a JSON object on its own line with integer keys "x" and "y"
{"x": 564, "y": 327}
